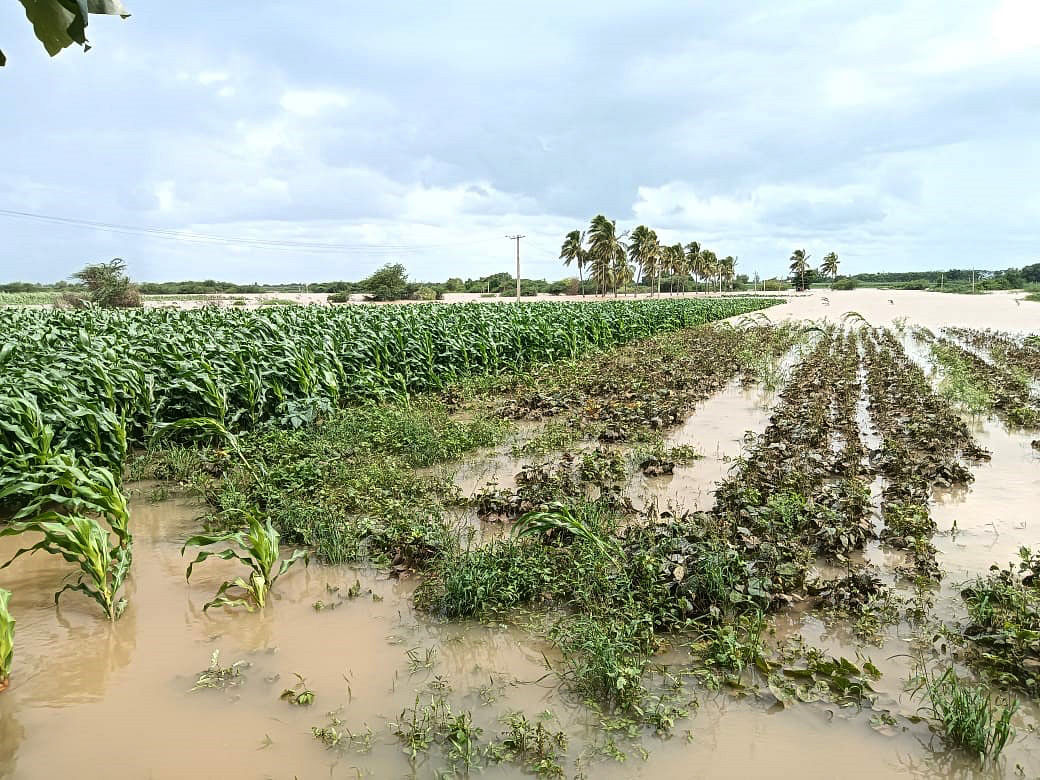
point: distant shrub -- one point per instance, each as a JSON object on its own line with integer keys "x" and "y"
{"x": 107, "y": 286}
{"x": 848, "y": 283}
{"x": 340, "y": 297}
{"x": 425, "y": 294}
{"x": 278, "y": 302}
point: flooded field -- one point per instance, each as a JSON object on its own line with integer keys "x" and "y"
{"x": 133, "y": 698}
{"x": 368, "y": 656}
{"x": 121, "y": 697}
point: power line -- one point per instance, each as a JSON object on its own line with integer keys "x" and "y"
{"x": 258, "y": 243}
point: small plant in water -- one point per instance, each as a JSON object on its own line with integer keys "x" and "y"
{"x": 420, "y": 658}
{"x": 336, "y": 735}
{"x": 966, "y": 714}
{"x": 6, "y": 640}
{"x": 217, "y": 676}
{"x": 260, "y": 552}
{"x": 299, "y": 694}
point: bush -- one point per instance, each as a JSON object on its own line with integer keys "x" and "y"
{"x": 108, "y": 286}
{"x": 565, "y": 287}
{"x": 848, "y": 283}
{"x": 389, "y": 283}
{"x": 425, "y": 293}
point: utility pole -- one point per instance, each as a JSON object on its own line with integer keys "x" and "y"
{"x": 517, "y": 238}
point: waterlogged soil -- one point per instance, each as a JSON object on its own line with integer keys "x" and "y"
{"x": 119, "y": 696}
{"x": 117, "y": 699}
{"x": 716, "y": 431}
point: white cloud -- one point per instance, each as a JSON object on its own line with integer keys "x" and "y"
{"x": 208, "y": 77}
{"x": 312, "y": 102}
{"x": 1016, "y": 26}
{"x": 900, "y": 130}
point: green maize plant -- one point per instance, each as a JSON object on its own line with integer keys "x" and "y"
{"x": 85, "y": 542}
{"x": 260, "y": 551}
{"x": 559, "y": 519}
{"x": 6, "y": 640}
{"x": 96, "y": 382}
{"x": 67, "y": 506}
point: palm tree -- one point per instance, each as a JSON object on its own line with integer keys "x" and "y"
{"x": 699, "y": 269}
{"x": 727, "y": 269}
{"x": 654, "y": 262}
{"x": 830, "y": 265}
{"x": 675, "y": 261}
{"x": 693, "y": 251}
{"x": 800, "y": 265}
{"x": 709, "y": 264}
{"x": 605, "y": 249}
{"x": 573, "y": 250}
{"x": 643, "y": 248}
{"x": 623, "y": 273}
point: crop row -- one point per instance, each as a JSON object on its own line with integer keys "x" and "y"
{"x": 800, "y": 489}
{"x": 983, "y": 384}
{"x": 924, "y": 444}
{"x": 1020, "y": 353}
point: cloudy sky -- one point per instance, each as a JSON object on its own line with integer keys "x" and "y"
{"x": 903, "y": 135}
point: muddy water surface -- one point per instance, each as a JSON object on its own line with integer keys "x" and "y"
{"x": 716, "y": 431}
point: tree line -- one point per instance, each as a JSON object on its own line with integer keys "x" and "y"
{"x": 615, "y": 260}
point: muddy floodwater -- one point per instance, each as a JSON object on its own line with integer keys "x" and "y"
{"x": 93, "y": 699}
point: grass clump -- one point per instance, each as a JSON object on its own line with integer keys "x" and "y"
{"x": 605, "y": 659}
{"x": 966, "y": 714}
{"x": 1003, "y": 632}
{"x": 531, "y": 746}
{"x": 959, "y": 383}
